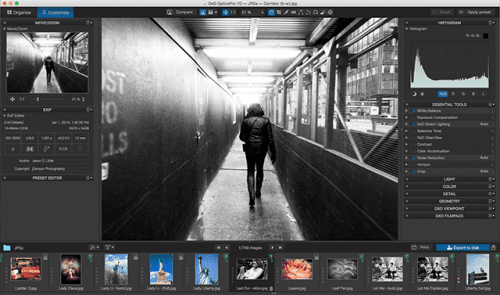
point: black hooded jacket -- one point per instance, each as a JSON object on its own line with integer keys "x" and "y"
{"x": 256, "y": 131}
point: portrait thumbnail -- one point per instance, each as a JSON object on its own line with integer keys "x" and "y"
{"x": 478, "y": 269}
{"x": 387, "y": 269}
{"x": 47, "y": 62}
{"x": 207, "y": 267}
{"x": 251, "y": 269}
{"x": 71, "y": 269}
{"x": 342, "y": 269}
{"x": 296, "y": 269}
{"x": 161, "y": 269}
{"x": 116, "y": 269}
{"x": 432, "y": 269}
{"x": 25, "y": 269}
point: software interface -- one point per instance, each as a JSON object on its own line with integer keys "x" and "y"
{"x": 370, "y": 161}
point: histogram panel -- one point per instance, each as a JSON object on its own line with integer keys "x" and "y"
{"x": 450, "y": 65}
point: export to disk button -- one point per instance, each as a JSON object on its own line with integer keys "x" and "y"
{"x": 462, "y": 247}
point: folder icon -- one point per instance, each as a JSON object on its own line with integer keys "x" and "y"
{"x": 6, "y": 247}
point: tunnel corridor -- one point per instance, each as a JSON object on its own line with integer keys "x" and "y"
{"x": 41, "y": 86}
{"x": 28, "y": 59}
{"x": 224, "y": 213}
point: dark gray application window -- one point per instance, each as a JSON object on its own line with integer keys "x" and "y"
{"x": 386, "y": 127}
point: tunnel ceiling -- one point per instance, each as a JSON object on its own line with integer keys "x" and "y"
{"x": 46, "y": 41}
{"x": 256, "y": 47}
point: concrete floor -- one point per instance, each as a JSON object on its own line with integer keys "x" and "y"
{"x": 40, "y": 85}
{"x": 224, "y": 213}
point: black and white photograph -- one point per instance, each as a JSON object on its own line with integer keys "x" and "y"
{"x": 342, "y": 269}
{"x": 252, "y": 269}
{"x": 432, "y": 269}
{"x": 204, "y": 121}
{"x": 47, "y": 62}
{"x": 387, "y": 269}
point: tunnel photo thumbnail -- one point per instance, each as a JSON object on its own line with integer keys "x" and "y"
{"x": 47, "y": 62}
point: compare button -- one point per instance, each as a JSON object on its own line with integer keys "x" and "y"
{"x": 462, "y": 247}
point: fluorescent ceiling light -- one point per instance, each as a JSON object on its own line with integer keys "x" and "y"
{"x": 249, "y": 90}
{"x": 45, "y": 41}
{"x": 243, "y": 62}
{"x": 262, "y": 63}
{"x": 236, "y": 85}
{"x": 248, "y": 79}
{"x": 251, "y": 53}
{"x": 248, "y": 95}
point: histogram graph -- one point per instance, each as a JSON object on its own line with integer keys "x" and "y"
{"x": 450, "y": 65}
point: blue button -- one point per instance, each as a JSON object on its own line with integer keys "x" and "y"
{"x": 442, "y": 93}
{"x": 270, "y": 12}
{"x": 6, "y": 247}
{"x": 55, "y": 12}
{"x": 462, "y": 247}
{"x": 203, "y": 12}
{"x": 225, "y": 11}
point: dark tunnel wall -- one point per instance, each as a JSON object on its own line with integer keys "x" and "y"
{"x": 155, "y": 100}
{"x": 334, "y": 198}
{"x": 24, "y": 63}
{"x": 70, "y": 81}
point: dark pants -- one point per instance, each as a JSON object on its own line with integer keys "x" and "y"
{"x": 255, "y": 159}
{"x": 49, "y": 74}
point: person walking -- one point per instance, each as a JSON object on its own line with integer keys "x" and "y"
{"x": 49, "y": 66}
{"x": 257, "y": 134}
